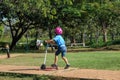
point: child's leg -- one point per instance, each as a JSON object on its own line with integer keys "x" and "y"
{"x": 63, "y": 55}
{"x": 65, "y": 59}
{"x": 56, "y": 59}
{"x": 55, "y": 62}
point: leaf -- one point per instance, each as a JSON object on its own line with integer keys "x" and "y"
{"x": 53, "y": 11}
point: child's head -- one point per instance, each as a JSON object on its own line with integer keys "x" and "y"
{"x": 58, "y": 30}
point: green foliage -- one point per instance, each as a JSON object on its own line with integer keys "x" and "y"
{"x": 104, "y": 44}
{"x": 115, "y": 42}
{"x": 1, "y": 29}
{"x": 74, "y": 12}
{"x": 97, "y": 45}
{"x": 3, "y": 43}
{"x": 76, "y": 17}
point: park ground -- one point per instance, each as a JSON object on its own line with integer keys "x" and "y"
{"x": 85, "y": 74}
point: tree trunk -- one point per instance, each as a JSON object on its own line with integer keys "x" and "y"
{"x": 36, "y": 37}
{"x": 105, "y": 36}
{"x": 15, "y": 39}
{"x": 104, "y": 28}
{"x": 13, "y": 43}
{"x": 8, "y": 54}
{"x": 83, "y": 39}
{"x": 112, "y": 36}
{"x": 90, "y": 37}
{"x": 50, "y": 33}
{"x": 73, "y": 41}
{"x": 7, "y": 50}
{"x": 97, "y": 37}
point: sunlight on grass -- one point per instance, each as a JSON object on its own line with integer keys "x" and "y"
{"x": 92, "y": 60}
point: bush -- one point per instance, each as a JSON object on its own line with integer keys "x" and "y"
{"x": 112, "y": 42}
{"x": 97, "y": 45}
{"x": 102, "y": 44}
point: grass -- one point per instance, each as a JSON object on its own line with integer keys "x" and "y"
{"x": 14, "y": 78}
{"x": 19, "y": 76}
{"x": 97, "y": 60}
{"x": 108, "y": 60}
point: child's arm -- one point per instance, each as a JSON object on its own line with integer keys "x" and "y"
{"x": 50, "y": 41}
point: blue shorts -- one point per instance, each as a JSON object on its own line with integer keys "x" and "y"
{"x": 61, "y": 50}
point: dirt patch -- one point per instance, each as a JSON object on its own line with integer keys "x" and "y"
{"x": 85, "y": 74}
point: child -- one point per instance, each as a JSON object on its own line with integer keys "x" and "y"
{"x": 58, "y": 39}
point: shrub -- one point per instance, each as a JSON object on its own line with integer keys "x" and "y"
{"x": 102, "y": 44}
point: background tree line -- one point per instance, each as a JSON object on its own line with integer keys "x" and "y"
{"x": 84, "y": 21}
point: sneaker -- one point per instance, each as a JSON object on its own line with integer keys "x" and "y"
{"x": 67, "y": 66}
{"x": 54, "y": 66}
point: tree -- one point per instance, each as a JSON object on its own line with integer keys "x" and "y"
{"x": 21, "y": 16}
{"x": 105, "y": 16}
{"x": 75, "y": 16}
{"x": 114, "y": 21}
{"x": 54, "y": 16}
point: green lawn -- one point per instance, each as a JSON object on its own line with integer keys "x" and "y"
{"x": 109, "y": 60}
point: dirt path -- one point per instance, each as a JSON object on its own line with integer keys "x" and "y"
{"x": 72, "y": 72}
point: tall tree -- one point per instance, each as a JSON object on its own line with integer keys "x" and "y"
{"x": 21, "y": 16}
